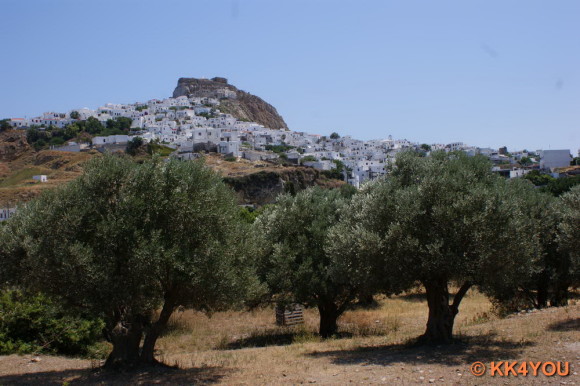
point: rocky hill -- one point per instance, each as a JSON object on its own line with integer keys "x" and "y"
{"x": 240, "y": 104}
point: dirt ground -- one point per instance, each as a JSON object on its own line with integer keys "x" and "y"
{"x": 376, "y": 348}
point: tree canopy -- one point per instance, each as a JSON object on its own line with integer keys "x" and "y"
{"x": 569, "y": 236}
{"x": 440, "y": 220}
{"x": 292, "y": 260}
{"x": 125, "y": 239}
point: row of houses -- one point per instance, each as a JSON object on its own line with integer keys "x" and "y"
{"x": 189, "y": 124}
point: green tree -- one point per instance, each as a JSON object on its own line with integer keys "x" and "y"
{"x": 437, "y": 221}
{"x": 334, "y": 135}
{"x": 559, "y": 186}
{"x": 127, "y": 239}
{"x": 426, "y": 147}
{"x": 569, "y": 236}
{"x": 537, "y": 178}
{"x": 93, "y": 126}
{"x": 133, "y": 145}
{"x": 550, "y": 281}
{"x": 292, "y": 261}
{"x": 75, "y": 115}
{"x": 5, "y": 125}
{"x": 119, "y": 125}
{"x": 71, "y": 131}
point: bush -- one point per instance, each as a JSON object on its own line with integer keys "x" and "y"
{"x": 134, "y": 145}
{"x": 34, "y": 323}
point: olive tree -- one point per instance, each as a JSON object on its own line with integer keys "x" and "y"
{"x": 292, "y": 260}
{"x": 550, "y": 282}
{"x": 569, "y": 237}
{"x": 440, "y": 220}
{"x": 124, "y": 241}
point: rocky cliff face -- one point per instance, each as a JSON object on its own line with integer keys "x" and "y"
{"x": 240, "y": 104}
{"x": 263, "y": 187}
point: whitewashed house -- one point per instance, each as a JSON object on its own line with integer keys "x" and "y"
{"x": 110, "y": 140}
{"x": 550, "y": 159}
{"x": 321, "y": 165}
{"x": 6, "y": 213}
{"x": 229, "y": 147}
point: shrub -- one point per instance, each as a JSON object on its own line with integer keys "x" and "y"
{"x": 134, "y": 145}
{"x": 35, "y": 323}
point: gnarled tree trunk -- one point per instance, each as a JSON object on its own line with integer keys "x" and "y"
{"x": 148, "y": 350}
{"x": 441, "y": 313}
{"x": 125, "y": 336}
{"x": 542, "y": 285}
{"x": 329, "y": 314}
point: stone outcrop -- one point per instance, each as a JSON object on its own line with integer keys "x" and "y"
{"x": 263, "y": 187}
{"x": 238, "y": 103}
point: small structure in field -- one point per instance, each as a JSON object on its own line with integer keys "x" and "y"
{"x": 289, "y": 315}
{"x": 40, "y": 177}
{"x": 6, "y": 213}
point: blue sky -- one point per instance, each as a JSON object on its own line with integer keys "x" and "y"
{"x": 488, "y": 73}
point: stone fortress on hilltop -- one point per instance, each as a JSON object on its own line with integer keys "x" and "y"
{"x": 240, "y": 104}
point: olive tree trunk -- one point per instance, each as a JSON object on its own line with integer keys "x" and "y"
{"x": 148, "y": 350}
{"x": 329, "y": 314}
{"x": 441, "y": 314}
{"x": 125, "y": 335}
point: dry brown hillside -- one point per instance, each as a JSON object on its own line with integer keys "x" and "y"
{"x": 254, "y": 182}
{"x": 19, "y": 162}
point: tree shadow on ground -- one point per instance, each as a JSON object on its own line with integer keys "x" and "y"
{"x": 158, "y": 375}
{"x": 572, "y": 324}
{"x": 266, "y": 339}
{"x": 467, "y": 350}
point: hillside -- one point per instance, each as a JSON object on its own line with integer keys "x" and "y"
{"x": 256, "y": 183}
{"x": 19, "y": 162}
{"x": 240, "y": 104}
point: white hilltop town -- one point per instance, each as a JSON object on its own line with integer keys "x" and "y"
{"x": 193, "y": 125}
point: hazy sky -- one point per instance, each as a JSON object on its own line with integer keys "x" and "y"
{"x": 488, "y": 73}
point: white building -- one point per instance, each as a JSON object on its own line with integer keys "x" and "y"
{"x": 111, "y": 140}
{"x": 550, "y": 159}
{"x": 321, "y": 165}
{"x": 40, "y": 177}
{"x": 517, "y": 172}
{"x": 18, "y": 123}
{"x": 6, "y": 213}
{"x": 231, "y": 147}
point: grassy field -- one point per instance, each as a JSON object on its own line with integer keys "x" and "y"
{"x": 23, "y": 176}
{"x": 375, "y": 347}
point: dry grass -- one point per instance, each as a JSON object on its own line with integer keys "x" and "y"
{"x": 374, "y": 347}
{"x": 399, "y": 318}
{"x": 16, "y": 184}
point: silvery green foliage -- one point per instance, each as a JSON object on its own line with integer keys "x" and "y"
{"x": 570, "y": 230}
{"x": 127, "y": 237}
{"x": 445, "y": 217}
{"x": 293, "y": 260}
